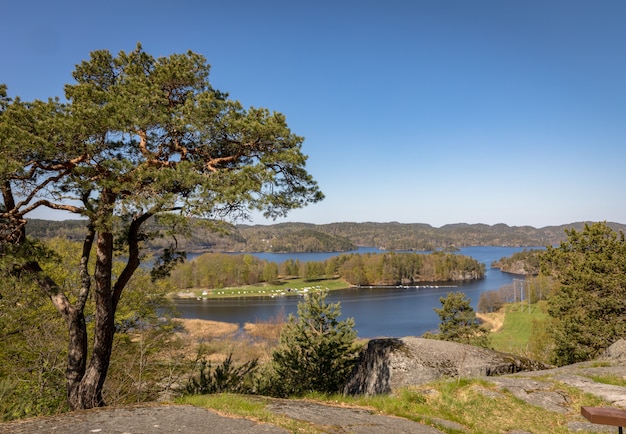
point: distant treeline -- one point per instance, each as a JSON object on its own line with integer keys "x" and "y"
{"x": 526, "y": 262}
{"x": 338, "y": 237}
{"x": 218, "y": 270}
{"x": 406, "y": 268}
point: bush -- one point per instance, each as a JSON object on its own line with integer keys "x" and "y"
{"x": 316, "y": 351}
{"x": 224, "y": 378}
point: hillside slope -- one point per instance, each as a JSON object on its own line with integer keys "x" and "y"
{"x": 306, "y": 237}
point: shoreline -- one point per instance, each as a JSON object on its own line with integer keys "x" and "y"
{"x": 288, "y": 288}
{"x": 272, "y": 292}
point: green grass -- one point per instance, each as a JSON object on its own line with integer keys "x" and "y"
{"x": 476, "y": 405}
{"x": 517, "y": 329}
{"x": 282, "y": 288}
{"x": 251, "y": 407}
{"x": 613, "y": 380}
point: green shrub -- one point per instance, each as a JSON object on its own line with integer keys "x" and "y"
{"x": 224, "y": 378}
{"x": 316, "y": 351}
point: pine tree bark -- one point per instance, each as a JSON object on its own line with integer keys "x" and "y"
{"x": 77, "y": 330}
{"x": 91, "y": 385}
{"x": 76, "y": 357}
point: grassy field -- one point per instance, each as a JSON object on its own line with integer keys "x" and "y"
{"x": 284, "y": 287}
{"x": 517, "y": 327}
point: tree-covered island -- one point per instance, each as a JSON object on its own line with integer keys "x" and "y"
{"x": 211, "y": 273}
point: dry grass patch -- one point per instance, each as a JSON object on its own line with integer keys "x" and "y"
{"x": 264, "y": 330}
{"x": 201, "y": 329}
{"x": 215, "y": 340}
{"x": 211, "y": 338}
{"x": 492, "y": 321}
{"x": 265, "y": 335}
{"x": 267, "y": 330}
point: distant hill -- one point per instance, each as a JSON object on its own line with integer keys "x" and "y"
{"x": 337, "y": 237}
{"x": 418, "y": 236}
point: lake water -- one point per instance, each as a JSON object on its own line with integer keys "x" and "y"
{"x": 377, "y": 312}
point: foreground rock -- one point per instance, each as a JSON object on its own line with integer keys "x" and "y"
{"x": 386, "y": 365}
{"x": 147, "y": 419}
{"x": 140, "y": 419}
{"x": 615, "y": 353}
{"x": 539, "y": 388}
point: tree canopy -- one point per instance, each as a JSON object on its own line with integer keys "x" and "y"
{"x": 139, "y": 138}
{"x": 459, "y": 322}
{"x": 405, "y": 268}
{"x": 589, "y": 306}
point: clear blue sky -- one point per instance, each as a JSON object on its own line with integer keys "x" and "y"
{"x": 431, "y": 112}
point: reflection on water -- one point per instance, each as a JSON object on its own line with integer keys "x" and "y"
{"x": 377, "y": 311}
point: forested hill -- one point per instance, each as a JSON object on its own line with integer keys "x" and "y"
{"x": 304, "y": 237}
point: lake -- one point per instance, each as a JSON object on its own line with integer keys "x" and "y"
{"x": 377, "y": 312}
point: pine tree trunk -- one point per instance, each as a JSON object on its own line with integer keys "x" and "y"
{"x": 77, "y": 330}
{"x": 76, "y": 358}
{"x": 91, "y": 385}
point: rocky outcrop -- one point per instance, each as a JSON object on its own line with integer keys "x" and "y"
{"x": 386, "y": 365}
{"x": 616, "y": 352}
{"x": 466, "y": 275}
{"x": 520, "y": 267}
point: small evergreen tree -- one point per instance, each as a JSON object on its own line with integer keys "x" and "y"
{"x": 459, "y": 322}
{"x": 224, "y": 378}
{"x": 316, "y": 351}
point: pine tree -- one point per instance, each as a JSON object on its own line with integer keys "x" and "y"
{"x": 138, "y": 140}
{"x": 316, "y": 351}
{"x": 589, "y": 306}
{"x": 459, "y": 322}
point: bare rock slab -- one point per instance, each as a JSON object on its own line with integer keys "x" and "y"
{"x": 348, "y": 420}
{"x": 386, "y": 365}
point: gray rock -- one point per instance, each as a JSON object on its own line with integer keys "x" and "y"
{"x": 140, "y": 419}
{"x": 616, "y": 352}
{"x": 386, "y": 365}
{"x": 345, "y": 419}
{"x": 587, "y": 427}
{"x": 616, "y": 395}
{"x": 537, "y": 393}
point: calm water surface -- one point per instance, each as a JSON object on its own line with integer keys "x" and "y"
{"x": 377, "y": 312}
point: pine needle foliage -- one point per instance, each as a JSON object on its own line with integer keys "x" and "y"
{"x": 226, "y": 377}
{"x": 459, "y": 322}
{"x": 589, "y": 307}
{"x": 316, "y": 351}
